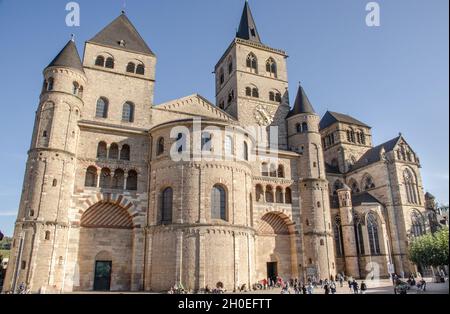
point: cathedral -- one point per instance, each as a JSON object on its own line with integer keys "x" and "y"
{"x": 121, "y": 194}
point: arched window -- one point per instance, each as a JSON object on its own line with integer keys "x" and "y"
{"x": 128, "y": 112}
{"x": 101, "y": 111}
{"x": 280, "y": 171}
{"x": 271, "y": 96}
{"x": 298, "y": 128}
{"x": 417, "y": 224}
{"x": 252, "y": 63}
{"x": 102, "y": 150}
{"x": 338, "y": 237}
{"x": 271, "y": 67}
{"x": 269, "y": 194}
{"x": 372, "y": 230}
{"x": 363, "y": 137}
{"x": 47, "y": 235}
{"x": 255, "y": 92}
{"x": 75, "y": 88}
{"x": 265, "y": 169}
{"x": 55, "y": 182}
{"x": 279, "y": 195}
{"x": 166, "y": 206}
{"x": 368, "y": 183}
{"x": 140, "y": 69}
{"x": 206, "y": 142}
{"x": 304, "y": 127}
{"x": 181, "y": 142}
{"x": 228, "y": 146}
{"x": 248, "y": 91}
{"x": 245, "y": 151}
{"x": 50, "y": 83}
{"x": 109, "y": 63}
{"x": 105, "y": 178}
{"x": 230, "y": 65}
{"x": 118, "y": 179}
{"x": 410, "y": 187}
{"x": 359, "y": 236}
{"x": 273, "y": 170}
{"x": 278, "y": 97}
{"x": 131, "y": 67}
{"x": 259, "y": 193}
{"x": 288, "y": 196}
{"x": 91, "y": 177}
{"x": 160, "y": 147}
{"x": 218, "y": 203}
{"x": 125, "y": 152}
{"x": 221, "y": 76}
{"x": 354, "y": 186}
{"x": 132, "y": 178}
{"x": 100, "y": 61}
{"x": 113, "y": 151}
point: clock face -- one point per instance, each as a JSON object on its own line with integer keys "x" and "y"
{"x": 262, "y": 116}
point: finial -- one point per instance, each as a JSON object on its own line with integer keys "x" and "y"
{"x": 124, "y": 6}
{"x": 400, "y": 134}
{"x": 72, "y": 37}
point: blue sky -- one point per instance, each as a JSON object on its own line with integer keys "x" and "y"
{"x": 393, "y": 77}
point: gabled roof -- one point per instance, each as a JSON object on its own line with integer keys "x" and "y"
{"x": 247, "y": 27}
{"x": 333, "y": 117}
{"x": 193, "y": 105}
{"x": 68, "y": 57}
{"x": 374, "y": 154}
{"x": 122, "y": 29}
{"x": 302, "y": 104}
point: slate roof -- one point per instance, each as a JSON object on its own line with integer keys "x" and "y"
{"x": 302, "y": 104}
{"x": 332, "y": 169}
{"x": 429, "y": 196}
{"x": 332, "y": 117}
{"x": 68, "y": 57}
{"x": 364, "y": 197}
{"x": 122, "y": 29}
{"x": 373, "y": 154}
{"x": 247, "y": 27}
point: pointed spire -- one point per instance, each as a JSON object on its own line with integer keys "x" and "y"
{"x": 68, "y": 57}
{"x": 121, "y": 34}
{"x": 247, "y": 27}
{"x": 302, "y": 103}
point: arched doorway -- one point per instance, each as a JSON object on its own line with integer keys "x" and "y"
{"x": 275, "y": 247}
{"x": 105, "y": 248}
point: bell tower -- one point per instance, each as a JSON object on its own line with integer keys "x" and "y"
{"x": 251, "y": 80}
{"x": 304, "y": 137}
{"x": 41, "y": 231}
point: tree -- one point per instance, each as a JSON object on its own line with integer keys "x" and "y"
{"x": 430, "y": 249}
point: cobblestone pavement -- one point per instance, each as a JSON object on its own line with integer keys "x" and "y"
{"x": 383, "y": 286}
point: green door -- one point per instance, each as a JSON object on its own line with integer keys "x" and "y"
{"x": 102, "y": 280}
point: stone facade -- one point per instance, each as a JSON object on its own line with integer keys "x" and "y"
{"x": 106, "y": 206}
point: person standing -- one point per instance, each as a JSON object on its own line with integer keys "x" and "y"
{"x": 363, "y": 287}
{"x": 355, "y": 287}
{"x": 333, "y": 287}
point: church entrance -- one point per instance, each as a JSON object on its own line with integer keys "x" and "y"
{"x": 272, "y": 271}
{"x": 102, "y": 279}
